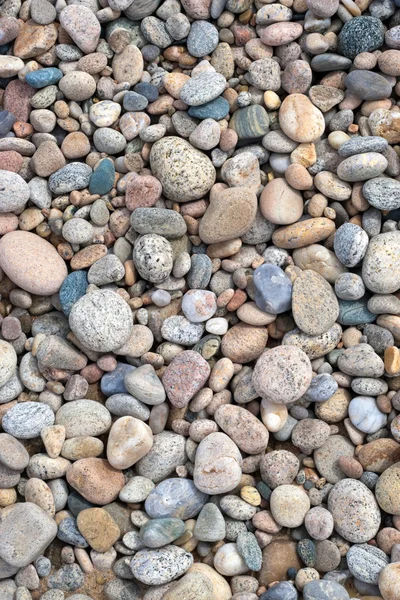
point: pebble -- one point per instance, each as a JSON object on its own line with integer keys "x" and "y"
{"x": 358, "y": 518}
{"x": 177, "y": 498}
{"x": 156, "y": 567}
{"x": 165, "y": 159}
{"x": 289, "y": 505}
{"x": 366, "y": 562}
{"x": 101, "y": 320}
{"x": 350, "y": 244}
{"x": 314, "y": 304}
{"x": 294, "y": 377}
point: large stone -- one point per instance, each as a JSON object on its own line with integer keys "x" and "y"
{"x": 185, "y": 173}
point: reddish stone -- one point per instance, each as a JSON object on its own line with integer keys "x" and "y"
{"x": 17, "y": 99}
{"x": 22, "y": 130}
{"x": 184, "y": 377}
{"x": 10, "y": 161}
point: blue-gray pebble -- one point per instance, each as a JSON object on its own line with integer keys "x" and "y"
{"x": 361, "y": 34}
{"x": 203, "y": 38}
{"x": 216, "y": 109}
{"x": 281, "y": 591}
{"x": 366, "y": 562}
{"x": 359, "y": 145}
{"x": 43, "y": 77}
{"x": 160, "y": 532}
{"x": 175, "y": 498}
{"x": 322, "y": 387}
{"x": 73, "y": 287}
{"x": 68, "y": 532}
{"x": 382, "y": 193}
{"x": 324, "y": 590}
{"x": 273, "y": 289}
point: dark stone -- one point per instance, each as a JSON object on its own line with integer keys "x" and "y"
{"x": 148, "y": 90}
{"x": 102, "y": 179}
{"x": 73, "y": 287}
{"x": 361, "y": 34}
{"x": 368, "y": 85}
{"x": 216, "y": 109}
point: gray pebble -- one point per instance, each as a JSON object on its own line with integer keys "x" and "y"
{"x": 366, "y": 562}
{"x": 350, "y": 244}
{"x": 349, "y": 286}
{"x": 74, "y": 176}
{"x": 203, "y": 88}
{"x": 153, "y": 259}
{"x": 203, "y": 38}
{"x": 382, "y": 193}
{"x": 26, "y": 420}
{"x": 160, "y": 221}
{"x": 359, "y": 144}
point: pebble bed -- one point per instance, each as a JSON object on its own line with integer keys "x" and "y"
{"x": 199, "y": 299}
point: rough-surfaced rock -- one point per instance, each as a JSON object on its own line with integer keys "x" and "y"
{"x": 282, "y": 374}
{"x": 314, "y": 303}
{"x": 185, "y": 173}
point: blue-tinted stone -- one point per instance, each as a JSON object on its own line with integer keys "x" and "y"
{"x": 324, "y": 590}
{"x": 148, "y": 90}
{"x": 322, "y": 387}
{"x": 102, "y": 179}
{"x": 177, "y": 498}
{"x": 249, "y": 550}
{"x": 69, "y": 578}
{"x": 366, "y": 562}
{"x": 4, "y": 48}
{"x": 7, "y": 120}
{"x": 68, "y": 532}
{"x": 369, "y": 479}
{"x": 281, "y": 591}
{"x": 73, "y": 287}
{"x": 216, "y": 109}
{"x": 113, "y": 382}
{"x": 202, "y": 39}
{"x": 273, "y": 289}
{"x": 200, "y": 272}
{"x": 355, "y": 312}
{"x": 264, "y": 490}
{"x": 43, "y": 77}
{"x": 368, "y": 85}
{"x": 160, "y": 532}
{"x": 134, "y": 101}
{"x": 307, "y": 551}
{"x": 77, "y": 503}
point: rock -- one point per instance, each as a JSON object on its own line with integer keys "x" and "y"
{"x": 177, "y": 498}
{"x": 366, "y": 562}
{"x": 382, "y": 193}
{"x": 289, "y": 505}
{"x": 244, "y": 343}
{"x": 8, "y": 363}
{"x": 282, "y": 374}
{"x": 280, "y": 203}
{"x": 185, "y": 173}
{"x": 129, "y": 440}
{"x": 300, "y": 120}
{"x": 26, "y": 420}
{"x": 218, "y": 464}
{"x": 389, "y": 581}
{"x": 230, "y": 215}
{"x": 363, "y": 34}
{"x": 184, "y": 377}
{"x": 324, "y": 590}
{"x": 243, "y": 428}
{"x": 250, "y": 122}
{"x": 167, "y": 453}
{"x": 210, "y": 524}
{"x": 82, "y": 25}
{"x": 145, "y": 386}
{"x": 314, "y": 304}
{"x": 303, "y": 233}
{"x": 202, "y": 38}
{"x": 368, "y": 85}
{"x": 203, "y": 88}
{"x": 273, "y": 289}
{"x": 179, "y": 330}
{"x": 26, "y": 532}
{"x": 32, "y": 263}
{"x": 96, "y": 480}
{"x": 156, "y": 567}
{"x": 228, "y": 561}
{"x": 98, "y": 528}
{"x": 160, "y": 532}
{"x": 101, "y": 320}
{"x": 379, "y": 455}
{"x": 192, "y": 586}
{"x": 199, "y": 305}
{"x": 327, "y": 457}
{"x": 350, "y": 244}
{"x": 278, "y": 557}
{"x": 386, "y": 490}
{"x": 365, "y": 415}
{"x": 14, "y": 193}
{"x": 355, "y": 511}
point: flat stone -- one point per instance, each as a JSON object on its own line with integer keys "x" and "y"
{"x": 167, "y": 453}
{"x": 368, "y": 85}
{"x": 355, "y": 511}
{"x": 156, "y": 567}
{"x": 32, "y": 263}
{"x": 366, "y": 562}
{"x": 98, "y": 528}
{"x": 25, "y": 533}
{"x": 178, "y": 498}
{"x": 26, "y": 420}
{"x": 184, "y": 377}
{"x": 96, "y": 480}
{"x": 314, "y": 304}
{"x": 250, "y": 122}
